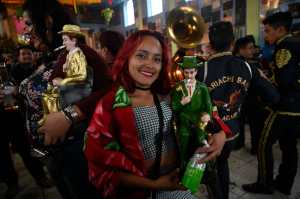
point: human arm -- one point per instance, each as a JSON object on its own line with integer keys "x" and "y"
{"x": 57, "y": 124}
{"x": 169, "y": 181}
{"x": 105, "y": 162}
{"x": 218, "y": 132}
{"x": 264, "y": 88}
{"x": 216, "y": 142}
{"x": 113, "y": 168}
{"x": 85, "y": 107}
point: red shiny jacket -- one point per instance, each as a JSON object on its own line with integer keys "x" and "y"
{"x": 112, "y": 145}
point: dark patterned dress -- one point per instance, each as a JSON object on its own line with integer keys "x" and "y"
{"x": 31, "y": 90}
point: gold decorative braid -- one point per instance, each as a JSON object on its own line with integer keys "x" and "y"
{"x": 262, "y": 144}
{"x": 288, "y": 113}
{"x": 283, "y": 38}
{"x": 282, "y": 57}
{"x": 265, "y": 134}
{"x": 219, "y": 55}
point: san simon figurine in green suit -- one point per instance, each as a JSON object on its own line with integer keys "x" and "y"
{"x": 192, "y": 107}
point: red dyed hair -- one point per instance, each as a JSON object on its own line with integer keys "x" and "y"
{"x": 120, "y": 70}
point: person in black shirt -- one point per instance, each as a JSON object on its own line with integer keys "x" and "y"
{"x": 228, "y": 79}
{"x": 283, "y": 123}
{"x": 16, "y": 135}
{"x": 253, "y": 110}
{"x": 24, "y": 66}
{"x": 63, "y": 132}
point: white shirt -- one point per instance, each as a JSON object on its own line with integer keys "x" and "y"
{"x": 190, "y": 86}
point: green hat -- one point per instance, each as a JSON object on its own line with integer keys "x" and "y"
{"x": 189, "y": 62}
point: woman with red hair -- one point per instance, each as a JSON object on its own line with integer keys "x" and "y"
{"x": 130, "y": 149}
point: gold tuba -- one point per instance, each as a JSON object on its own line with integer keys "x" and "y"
{"x": 185, "y": 27}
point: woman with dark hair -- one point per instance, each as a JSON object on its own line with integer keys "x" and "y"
{"x": 66, "y": 162}
{"x": 130, "y": 148}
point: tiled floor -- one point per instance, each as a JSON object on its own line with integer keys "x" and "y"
{"x": 242, "y": 165}
{"x": 243, "y": 169}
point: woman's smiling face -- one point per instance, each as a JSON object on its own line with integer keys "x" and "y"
{"x": 146, "y": 62}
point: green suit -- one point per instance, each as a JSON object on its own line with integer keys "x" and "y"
{"x": 189, "y": 115}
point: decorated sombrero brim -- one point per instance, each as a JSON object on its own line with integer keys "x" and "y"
{"x": 189, "y": 62}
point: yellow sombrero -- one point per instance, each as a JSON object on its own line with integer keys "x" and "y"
{"x": 73, "y": 29}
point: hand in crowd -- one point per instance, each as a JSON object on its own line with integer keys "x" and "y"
{"x": 216, "y": 142}
{"x": 169, "y": 181}
{"x": 54, "y": 128}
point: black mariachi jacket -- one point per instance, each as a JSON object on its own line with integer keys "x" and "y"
{"x": 286, "y": 68}
{"x": 228, "y": 79}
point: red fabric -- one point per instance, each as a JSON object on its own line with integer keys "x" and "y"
{"x": 224, "y": 126}
{"x": 109, "y": 125}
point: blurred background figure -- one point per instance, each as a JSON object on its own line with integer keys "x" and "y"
{"x": 13, "y": 121}
{"x": 253, "y": 109}
{"x": 244, "y": 48}
{"x": 228, "y": 79}
{"x": 25, "y": 63}
{"x": 110, "y": 43}
{"x": 66, "y": 163}
{"x": 283, "y": 121}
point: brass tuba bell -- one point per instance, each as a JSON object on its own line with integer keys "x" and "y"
{"x": 185, "y": 27}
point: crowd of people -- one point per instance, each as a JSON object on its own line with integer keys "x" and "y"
{"x": 127, "y": 134}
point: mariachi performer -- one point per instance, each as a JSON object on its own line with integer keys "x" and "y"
{"x": 73, "y": 85}
{"x": 282, "y": 123}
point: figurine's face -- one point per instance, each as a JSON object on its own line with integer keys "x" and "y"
{"x": 145, "y": 64}
{"x": 190, "y": 73}
{"x": 69, "y": 43}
